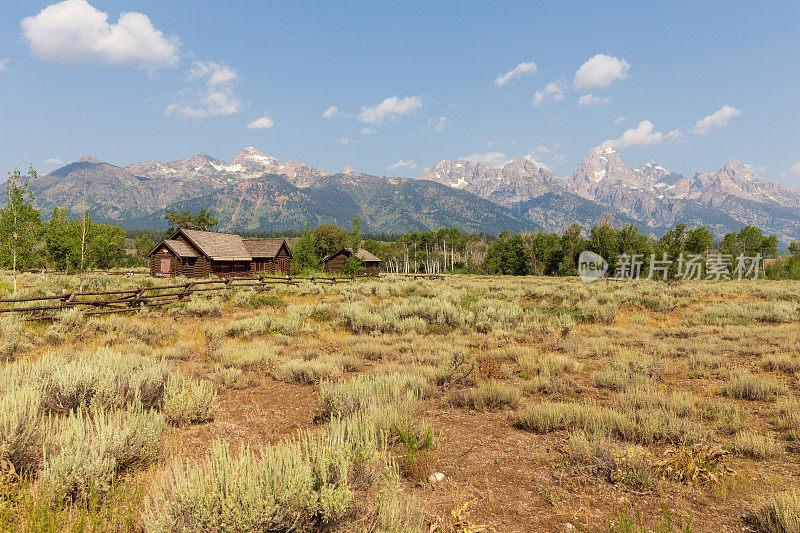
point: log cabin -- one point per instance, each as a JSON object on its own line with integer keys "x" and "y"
{"x": 200, "y": 254}
{"x": 370, "y": 264}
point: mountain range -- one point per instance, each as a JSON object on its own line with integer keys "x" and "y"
{"x": 255, "y": 191}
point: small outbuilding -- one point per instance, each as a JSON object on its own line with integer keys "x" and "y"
{"x": 199, "y": 254}
{"x": 370, "y": 264}
{"x": 269, "y": 255}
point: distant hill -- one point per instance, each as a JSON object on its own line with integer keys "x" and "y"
{"x": 384, "y": 204}
{"x": 257, "y": 192}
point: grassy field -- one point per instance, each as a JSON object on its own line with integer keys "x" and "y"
{"x": 548, "y": 405}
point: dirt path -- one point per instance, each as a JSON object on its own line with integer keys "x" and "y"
{"x": 254, "y": 417}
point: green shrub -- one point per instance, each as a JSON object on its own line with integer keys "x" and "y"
{"x": 13, "y": 338}
{"x": 230, "y": 378}
{"x": 618, "y": 376}
{"x": 416, "y": 448}
{"x": 310, "y": 483}
{"x": 528, "y": 364}
{"x": 649, "y": 397}
{"x": 188, "y": 401}
{"x": 746, "y": 386}
{"x": 629, "y": 464}
{"x": 780, "y": 361}
{"x": 249, "y": 354}
{"x": 20, "y": 437}
{"x": 780, "y": 514}
{"x": 366, "y": 392}
{"x": 262, "y": 324}
{"x": 89, "y": 449}
{"x": 108, "y": 378}
{"x": 179, "y": 350}
{"x": 702, "y": 360}
{"x": 755, "y": 445}
{"x": 645, "y": 426}
{"x": 490, "y": 395}
{"x": 789, "y": 417}
{"x": 727, "y": 417}
{"x": 69, "y": 321}
{"x": 301, "y": 371}
{"x": 546, "y": 417}
{"x": 254, "y": 300}
{"x": 117, "y": 327}
{"x": 197, "y": 307}
{"x": 592, "y": 311}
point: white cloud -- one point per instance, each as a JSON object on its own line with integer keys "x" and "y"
{"x": 642, "y": 135}
{"x": 590, "y": 99}
{"x": 520, "y": 70}
{"x": 539, "y": 164}
{"x": 718, "y": 119}
{"x": 542, "y": 149}
{"x": 795, "y": 169}
{"x": 757, "y": 170}
{"x": 401, "y": 164}
{"x": 490, "y": 159}
{"x": 619, "y": 120}
{"x": 600, "y": 71}
{"x": 368, "y": 131}
{"x": 438, "y": 124}
{"x": 217, "y": 99}
{"x": 345, "y": 140}
{"x": 675, "y": 136}
{"x": 75, "y": 32}
{"x": 391, "y": 108}
{"x": 216, "y": 73}
{"x": 553, "y": 90}
{"x": 262, "y": 123}
{"x": 53, "y": 161}
{"x": 333, "y": 111}
{"x": 3, "y": 64}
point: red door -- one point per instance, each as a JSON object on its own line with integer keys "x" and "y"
{"x": 280, "y": 266}
{"x": 165, "y": 267}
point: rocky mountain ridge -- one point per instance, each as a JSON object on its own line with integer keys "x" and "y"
{"x": 652, "y": 195}
{"x": 522, "y": 194}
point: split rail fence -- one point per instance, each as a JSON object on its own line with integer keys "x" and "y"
{"x": 126, "y": 300}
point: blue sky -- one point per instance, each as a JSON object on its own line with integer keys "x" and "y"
{"x": 696, "y": 83}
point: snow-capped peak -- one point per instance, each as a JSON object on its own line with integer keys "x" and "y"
{"x": 603, "y": 150}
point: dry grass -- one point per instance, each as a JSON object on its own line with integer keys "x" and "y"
{"x": 756, "y": 445}
{"x": 488, "y": 395}
{"x": 780, "y": 514}
{"x": 646, "y": 383}
{"x": 746, "y": 386}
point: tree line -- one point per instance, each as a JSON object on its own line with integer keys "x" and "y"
{"x": 61, "y": 243}
{"x": 70, "y": 243}
{"x": 552, "y": 254}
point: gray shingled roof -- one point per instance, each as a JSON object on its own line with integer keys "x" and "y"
{"x": 219, "y": 246}
{"x": 361, "y": 254}
{"x": 365, "y": 255}
{"x": 263, "y": 247}
{"x": 180, "y": 248}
